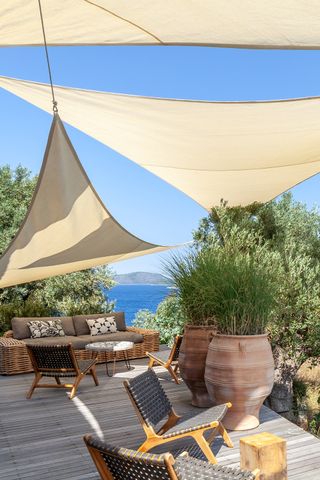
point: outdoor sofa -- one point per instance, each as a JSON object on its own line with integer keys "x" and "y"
{"x": 14, "y": 357}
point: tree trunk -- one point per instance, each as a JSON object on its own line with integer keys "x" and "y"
{"x": 281, "y": 398}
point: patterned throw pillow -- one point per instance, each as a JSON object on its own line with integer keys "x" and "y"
{"x": 46, "y": 328}
{"x": 101, "y": 326}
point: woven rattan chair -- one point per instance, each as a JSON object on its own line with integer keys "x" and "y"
{"x": 153, "y": 406}
{"x": 115, "y": 463}
{"x": 58, "y": 361}
{"x": 167, "y": 360}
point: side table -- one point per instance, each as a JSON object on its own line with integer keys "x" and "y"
{"x": 111, "y": 347}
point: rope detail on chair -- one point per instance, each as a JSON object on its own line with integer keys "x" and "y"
{"x": 177, "y": 348}
{"x": 52, "y": 356}
{"x": 150, "y": 397}
{"x": 129, "y": 464}
{"x": 191, "y": 468}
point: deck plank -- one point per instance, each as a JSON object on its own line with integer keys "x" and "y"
{"x": 42, "y": 437}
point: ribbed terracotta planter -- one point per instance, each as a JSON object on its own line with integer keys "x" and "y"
{"x": 192, "y": 362}
{"x": 240, "y": 370}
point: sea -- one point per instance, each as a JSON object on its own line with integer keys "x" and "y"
{"x": 131, "y": 298}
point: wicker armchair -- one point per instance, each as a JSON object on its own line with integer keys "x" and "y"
{"x": 153, "y": 406}
{"x": 115, "y": 463}
{"x": 167, "y": 360}
{"x": 58, "y": 361}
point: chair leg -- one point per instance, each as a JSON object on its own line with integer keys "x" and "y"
{"x": 223, "y": 432}
{"x": 173, "y": 374}
{"x": 37, "y": 378}
{"x": 94, "y": 375}
{"x": 203, "y": 444}
{"x": 151, "y": 363}
{"x": 75, "y": 386}
{"x": 212, "y": 435}
{"x": 58, "y": 380}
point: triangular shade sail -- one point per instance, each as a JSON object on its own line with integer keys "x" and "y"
{"x": 67, "y": 227}
{"x": 229, "y": 23}
{"x": 241, "y": 152}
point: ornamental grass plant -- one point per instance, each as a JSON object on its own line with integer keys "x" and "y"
{"x": 228, "y": 290}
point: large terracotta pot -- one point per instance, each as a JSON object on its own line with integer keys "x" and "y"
{"x": 240, "y": 370}
{"x": 192, "y": 362}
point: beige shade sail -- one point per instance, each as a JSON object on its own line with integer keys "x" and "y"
{"x": 67, "y": 228}
{"x": 227, "y": 23}
{"x": 239, "y": 152}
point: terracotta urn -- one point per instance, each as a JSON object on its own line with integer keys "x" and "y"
{"x": 240, "y": 370}
{"x": 192, "y": 362}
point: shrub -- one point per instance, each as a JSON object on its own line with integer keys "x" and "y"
{"x": 29, "y": 308}
{"x": 168, "y": 319}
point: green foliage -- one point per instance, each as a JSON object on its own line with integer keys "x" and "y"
{"x": 75, "y": 293}
{"x": 306, "y": 401}
{"x": 299, "y": 395}
{"x": 168, "y": 319}
{"x": 314, "y": 424}
{"x": 284, "y": 237}
{"x": 16, "y": 189}
{"x": 27, "y": 308}
{"x": 225, "y": 288}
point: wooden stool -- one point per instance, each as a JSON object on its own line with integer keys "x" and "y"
{"x": 265, "y": 452}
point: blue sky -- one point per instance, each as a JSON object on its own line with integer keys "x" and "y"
{"x": 145, "y": 205}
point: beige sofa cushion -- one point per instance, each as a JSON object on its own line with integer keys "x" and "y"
{"x": 81, "y": 326}
{"x": 113, "y": 337}
{"x": 21, "y": 330}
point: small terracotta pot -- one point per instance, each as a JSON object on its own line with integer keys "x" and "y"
{"x": 192, "y": 362}
{"x": 240, "y": 370}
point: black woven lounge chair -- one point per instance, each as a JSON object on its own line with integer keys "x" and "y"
{"x": 153, "y": 406}
{"x": 58, "y": 361}
{"x": 168, "y": 360}
{"x": 115, "y": 463}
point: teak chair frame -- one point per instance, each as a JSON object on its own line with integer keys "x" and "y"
{"x": 167, "y": 459}
{"x": 75, "y": 371}
{"x": 155, "y": 438}
{"x": 168, "y": 363}
{"x": 104, "y": 471}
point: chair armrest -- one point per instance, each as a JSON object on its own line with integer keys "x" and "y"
{"x": 8, "y": 334}
{"x": 14, "y": 356}
{"x": 10, "y": 342}
{"x": 188, "y": 467}
{"x": 143, "y": 331}
{"x": 150, "y": 339}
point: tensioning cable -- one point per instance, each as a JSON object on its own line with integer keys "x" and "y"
{"x": 55, "y": 103}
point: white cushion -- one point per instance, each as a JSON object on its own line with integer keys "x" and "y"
{"x": 48, "y": 328}
{"x": 101, "y": 326}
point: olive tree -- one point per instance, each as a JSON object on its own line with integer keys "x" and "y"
{"x": 285, "y": 236}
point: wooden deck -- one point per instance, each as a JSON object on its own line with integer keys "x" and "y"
{"x": 41, "y": 438}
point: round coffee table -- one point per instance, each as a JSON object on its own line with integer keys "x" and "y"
{"x": 111, "y": 347}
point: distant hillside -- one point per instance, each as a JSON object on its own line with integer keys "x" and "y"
{"x": 142, "y": 278}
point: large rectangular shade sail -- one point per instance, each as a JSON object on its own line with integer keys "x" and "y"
{"x": 226, "y": 23}
{"x": 67, "y": 228}
{"x": 240, "y": 152}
